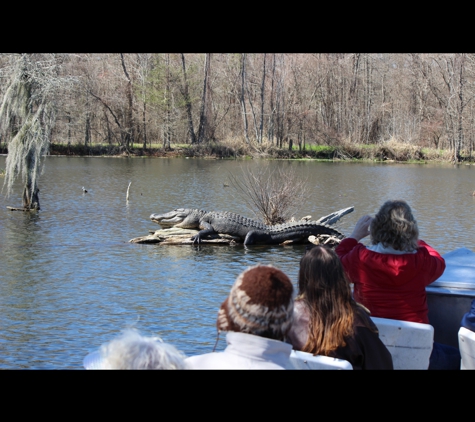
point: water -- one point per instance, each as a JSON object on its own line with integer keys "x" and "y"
{"x": 70, "y": 280}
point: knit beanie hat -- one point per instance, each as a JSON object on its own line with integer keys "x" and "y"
{"x": 260, "y": 303}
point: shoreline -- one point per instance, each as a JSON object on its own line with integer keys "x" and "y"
{"x": 390, "y": 153}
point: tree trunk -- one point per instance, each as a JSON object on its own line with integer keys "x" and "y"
{"x": 144, "y": 123}
{"x": 87, "y": 129}
{"x": 31, "y": 200}
{"x": 167, "y": 131}
{"x": 457, "y": 156}
{"x": 129, "y": 124}
{"x": 270, "y": 128}
{"x": 186, "y": 96}
{"x": 30, "y": 190}
{"x": 243, "y": 100}
{"x": 261, "y": 125}
{"x": 202, "y": 129}
{"x": 256, "y": 134}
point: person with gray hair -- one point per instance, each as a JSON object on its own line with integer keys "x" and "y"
{"x": 391, "y": 274}
{"x": 131, "y": 350}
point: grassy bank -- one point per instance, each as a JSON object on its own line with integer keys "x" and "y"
{"x": 389, "y": 151}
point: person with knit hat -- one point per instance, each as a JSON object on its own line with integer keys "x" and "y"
{"x": 256, "y": 315}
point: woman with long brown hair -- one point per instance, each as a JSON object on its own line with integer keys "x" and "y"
{"x": 328, "y": 321}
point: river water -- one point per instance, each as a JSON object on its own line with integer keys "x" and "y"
{"x": 70, "y": 280}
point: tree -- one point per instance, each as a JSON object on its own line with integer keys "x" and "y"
{"x": 186, "y": 97}
{"x": 273, "y": 195}
{"x": 27, "y": 118}
{"x": 129, "y": 120}
{"x": 204, "y": 120}
{"x": 243, "y": 100}
{"x": 159, "y": 91}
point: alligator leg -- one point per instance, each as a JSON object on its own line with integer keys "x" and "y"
{"x": 249, "y": 239}
{"x": 207, "y": 229}
{"x": 255, "y": 236}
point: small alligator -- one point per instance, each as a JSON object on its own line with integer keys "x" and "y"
{"x": 251, "y": 231}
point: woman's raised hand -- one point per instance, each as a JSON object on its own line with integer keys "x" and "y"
{"x": 361, "y": 229}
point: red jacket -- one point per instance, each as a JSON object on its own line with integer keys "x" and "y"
{"x": 390, "y": 285}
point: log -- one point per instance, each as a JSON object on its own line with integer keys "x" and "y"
{"x": 178, "y": 236}
{"x": 20, "y": 209}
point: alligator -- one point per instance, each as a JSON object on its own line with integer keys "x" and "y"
{"x": 251, "y": 231}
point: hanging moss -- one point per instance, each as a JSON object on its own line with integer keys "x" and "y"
{"x": 26, "y": 119}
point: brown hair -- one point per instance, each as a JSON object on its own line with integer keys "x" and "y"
{"x": 395, "y": 226}
{"x": 325, "y": 289}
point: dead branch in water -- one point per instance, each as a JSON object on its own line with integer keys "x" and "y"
{"x": 21, "y": 209}
{"x": 128, "y": 188}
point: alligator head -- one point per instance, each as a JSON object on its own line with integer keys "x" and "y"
{"x": 181, "y": 217}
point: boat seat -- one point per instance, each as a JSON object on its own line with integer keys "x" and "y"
{"x": 410, "y": 343}
{"x": 304, "y": 360}
{"x": 467, "y": 348}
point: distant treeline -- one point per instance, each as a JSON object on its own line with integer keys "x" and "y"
{"x": 278, "y": 104}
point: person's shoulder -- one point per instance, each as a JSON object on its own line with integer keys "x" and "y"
{"x": 363, "y": 319}
{"x": 347, "y": 245}
{"x": 424, "y": 247}
{"x": 428, "y": 252}
{"x": 300, "y": 307}
{"x": 204, "y": 361}
{"x": 348, "y": 241}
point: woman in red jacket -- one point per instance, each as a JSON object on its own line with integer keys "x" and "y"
{"x": 390, "y": 275}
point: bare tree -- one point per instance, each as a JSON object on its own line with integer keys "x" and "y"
{"x": 129, "y": 123}
{"x": 330, "y": 99}
{"x": 27, "y": 117}
{"x": 186, "y": 96}
{"x": 143, "y": 71}
{"x": 270, "y": 129}
{"x": 160, "y": 89}
{"x": 263, "y": 86}
{"x": 460, "y": 108}
{"x": 273, "y": 195}
{"x": 243, "y": 99}
{"x": 204, "y": 114}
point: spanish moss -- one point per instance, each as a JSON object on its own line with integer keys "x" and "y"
{"x": 26, "y": 119}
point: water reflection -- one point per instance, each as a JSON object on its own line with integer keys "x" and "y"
{"x": 70, "y": 280}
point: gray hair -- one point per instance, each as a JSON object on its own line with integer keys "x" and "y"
{"x": 395, "y": 226}
{"x": 130, "y": 350}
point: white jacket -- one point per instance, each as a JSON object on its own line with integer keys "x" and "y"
{"x": 245, "y": 351}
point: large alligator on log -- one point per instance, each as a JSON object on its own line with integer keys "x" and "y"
{"x": 251, "y": 231}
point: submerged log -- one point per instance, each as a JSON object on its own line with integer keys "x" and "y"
{"x": 21, "y": 209}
